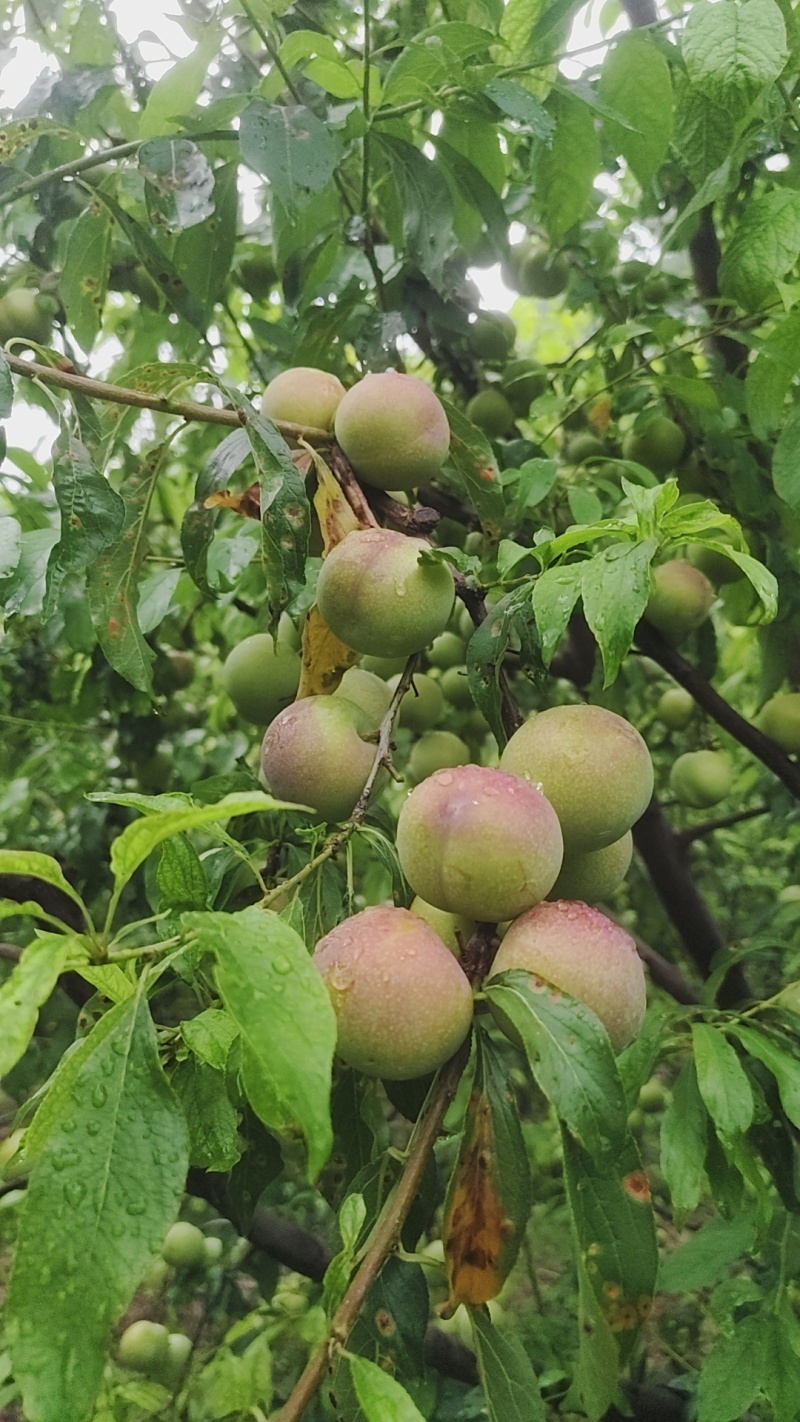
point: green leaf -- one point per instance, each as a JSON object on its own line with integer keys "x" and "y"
{"x": 684, "y": 1141}
{"x": 786, "y": 462}
{"x": 471, "y": 454}
{"x": 84, "y": 278}
{"x": 509, "y": 1382}
{"x": 25, "y": 990}
{"x": 555, "y": 593}
{"x": 778, "y": 1058}
{"x": 237, "y": 1382}
{"x": 137, "y": 841}
{"x": 289, "y": 145}
{"x": 281, "y": 1006}
{"x": 173, "y": 95}
{"x": 381, "y": 1398}
{"x": 722, "y": 1082}
{"x": 210, "y": 1035}
{"x": 199, "y": 522}
{"x": 107, "y": 1179}
{"x": 203, "y": 254}
{"x": 635, "y": 81}
{"x": 536, "y": 478}
{"x": 708, "y": 1255}
{"x": 615, "y": 588}
{"x": 285, "y": 512}
{"x": 426, "y": 205}
{"x": 210, "y": 1117}
{"x": 702, "y": 132}
{"x": 352, "y": 1217}
{"x": 39, "y": 866}
{"x": 565, "y": 171}
{"x": 764, "y": 246}
{"x": 732, "y": 51}
{"x": 158, "y": 264}
{"x": 179, "y": 183}
{"x": 514, "y": 101}
{"x": 180, "y": 876}
{"x": 10, "y": 545}
{"x": 92, "y": 515}
{"x": 734, "y": 1371}
{"x": 569, "y": 1055}
{"x": 769, "y": 377}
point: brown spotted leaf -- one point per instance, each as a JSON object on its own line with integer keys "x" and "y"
{"x": 325, "y": 658}
{"x": 336, "y": 518}
{"x": 489, "y": 1198}
{"x": 84, "y": 280}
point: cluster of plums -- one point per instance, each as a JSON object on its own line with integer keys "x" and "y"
{"x": 148, "y": 1347}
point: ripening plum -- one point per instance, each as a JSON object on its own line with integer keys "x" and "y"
{"x": 491, "y": 412}
{"x": 701, "y": 778}
{"x": 454, "y": 929}
{"x": 315, "y": 753}
{"x": 676, "y": 708}
{"x": 680, "y": 599}
{"x": 582, "y": 952}
{"x": 436, "y": 750}
{"x": 377, "y": 596}
{"x": 477, "y": 841}
{"x": 423, "y": 703}
{"x": 780, "y": 719}
{"x": 261, "y": 676}
{"x": 366, "y": 690}
{"x": 594, "y": 875}
{"x": 402, "y": 1003}
{"x": 303, "y": 396}
{"x": 393, "y": 430}
{"x": 592, "y": 765}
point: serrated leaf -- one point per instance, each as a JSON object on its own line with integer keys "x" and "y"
{"x": 281, "y": 1006}
{"x": 287, "y": 144}
{"x": 708, "y": 1255}
{"x": 732, "y": 52}
{"x": 615, "y": 588}
{"x": 203, "y": 253}
{"x": 426, "y": 206}
{"x": 569, "y": 1055}
{"x": 179, "y": 183}
{"x": 180, "y": 876}
{"x": 92, "y": 516}
{"x": 565, "y": 171}
{"x": 38, "y": 866}
{"x": 769, "y": 377}
{"x": 471, "y": 454}
{"x": 702, "y": 133}
{"x": 684, "y": 1142}
{"x": 636, "y": 82}
{"x": 137, "y": 841}
{"x": 210, "y": 1117}
{"x": 106, "y": 1182}
{"x": 764, "y": 246}
{"x": 381, "y": 1398}
{"x": 489, "y": 1197}
{"x": 25, "y": 990}
{"x": 733, "y": 1372}
{"x": 174, "y": 94}
{"x": 786, "y": 462}
{"x": 509, "y": 1382}
{"x": 555, "y": 593}
{"x": 785, "y": 1067}
{"x": 210, "y": 1035}
{"x": 84, "y": 279}
{"x": 722, "y": 1083}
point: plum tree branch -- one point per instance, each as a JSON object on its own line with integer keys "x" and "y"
{"x": 384, "y": 1236}
{"x": 686, "y": 837}
{"x": 649, "y": 641}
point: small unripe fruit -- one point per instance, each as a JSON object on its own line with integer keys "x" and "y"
{"x": 476, "y": 841}
{"x": 214, "y": 1248}
{"x": 592, "y": 765}
{"x": 653, "y": 1097}
{"x": 680, "y": 599}
{"x": 384, "y": 667}
{"x": 701, "y": 778}
{"x": 659, "y": 445}
{"x": 718, "y": 569}
{"x": 594, "y": 875}
{"x": 261, "y": 676}
{"x": 436, "y": 750}
{"x": 780, "y": 719}
{"x": 455, "y": 688}
{"x": 24, "y": 314}
{"x": 377, "y": 596}
{"x": 676, "y": 708}
{"x": 303, "y": 396}
{"x": 393, "y": 430}
{"x": 314, "y": 754}
{"x": 454, "y": 929}
{"x": 492, "y": 335}
{"x": 423, "y": 704}
{"x": 582, "y": 952}
{"x": 184, "y": 1246}
{"x": 179, "y": 1352}
{"x": 522, "y": 382}
{"x": 402, "y": 1003}
{"x": 583, "y": 446}
{"x": 144, "y": 1346}
{"x": 535, "y": 271}
{"x": 257, "y": 273}
{"x": 446, "y": 650}
{"x": 491, "y": 412}
{"x": 367, "y": 691}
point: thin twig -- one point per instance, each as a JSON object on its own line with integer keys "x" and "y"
{"x": 688, "y": 836}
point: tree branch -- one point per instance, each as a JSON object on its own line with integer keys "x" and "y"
{"x": 654, "y": 646}
{"x": 686, "y": 837}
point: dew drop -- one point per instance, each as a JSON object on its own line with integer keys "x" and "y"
{"x": 281, "y": 965}
{"x": 135, "y": 1207}
{"x": 99, "y": 1095}
{"x": 74, "y": 1191}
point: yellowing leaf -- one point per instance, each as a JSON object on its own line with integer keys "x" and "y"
{"x": 325, "y": 658}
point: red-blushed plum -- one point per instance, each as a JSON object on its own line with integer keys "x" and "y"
{"x": 315, "y": 754}
{"x": 592, "y": 765}
{"x": 476, "y": 841}
{"x": 365, "y": 689}
{"x": 676, "y": 708}
{"x": 436, "y": 750}
{"x": 393, "y": 430}
{"x": 454, "y": 929}
{"x": 680, "y": 599}
{"x": 779, "y": 718}
{"x": 303, "y": 396}
{"x": 261, "y": 676}
{"x": 701, "y": 778}
{"x": 423, "y": 704}
{"x": 377, "y": 597}
{"x": 582, "y": 952}
{"x": 402, "y": 1003}
{"x": 595, "y": 874}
